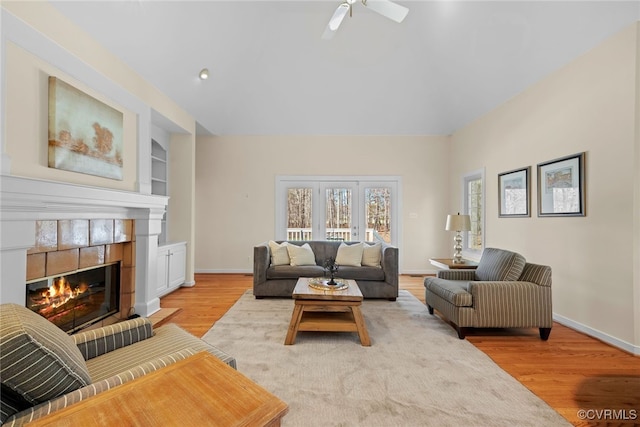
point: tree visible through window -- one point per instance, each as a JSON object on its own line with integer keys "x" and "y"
{"x": 474, "y": 207}
{"x": 299, "y": 209}
{"x": 378, "y": 213}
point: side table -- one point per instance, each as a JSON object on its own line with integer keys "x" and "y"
{"x": 447, "y": 264}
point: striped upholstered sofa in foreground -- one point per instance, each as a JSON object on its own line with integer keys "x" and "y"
{"x": 504, "y": 291}
{"x": 42, "y": 369}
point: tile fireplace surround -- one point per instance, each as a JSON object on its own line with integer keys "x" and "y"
{"x": 27, "y": 204}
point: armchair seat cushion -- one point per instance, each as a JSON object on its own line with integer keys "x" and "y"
{"x": 167, "y": 339}
{"x": 452, "y": 291}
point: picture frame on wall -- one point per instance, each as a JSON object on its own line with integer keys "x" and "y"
{"x": 85, "y": 134}
{"x": 561, "y": 186}
{"x": 514, "y": 193}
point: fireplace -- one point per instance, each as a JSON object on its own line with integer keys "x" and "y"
{"x": 111, "y": 226}
{"x": 76, "y": 300}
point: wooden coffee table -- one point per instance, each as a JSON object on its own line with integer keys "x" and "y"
{"x": 327, "y": 311}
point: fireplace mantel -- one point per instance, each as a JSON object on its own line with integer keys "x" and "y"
{"x": 23, "y": 201}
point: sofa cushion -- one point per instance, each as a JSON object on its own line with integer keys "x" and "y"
{"x": 279, "y": 253}
{"x": 497, "y": 265}
{"x": 453, "y": 291}
{"x": 301, "y": 255}
{"x": 372, "y": 255}
{"x": 38, "y": 360}
{"x": 289, "y": 272}
{"x": 350, "y": 255}
{"x": 360, "y": 273}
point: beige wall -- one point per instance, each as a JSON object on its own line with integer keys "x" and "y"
{"x": 24, "y": 138}
{"x": 26, "y": 123}
{"x": 235, "y": 189}
{"x": 590, "y": 106}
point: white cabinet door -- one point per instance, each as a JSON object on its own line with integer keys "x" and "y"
{"x": 162, "y": 277}
{"x": 172, "y": 265}
{"x": 177, "y": 265}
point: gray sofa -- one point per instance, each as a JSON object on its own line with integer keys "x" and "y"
{"x": 279, "y": 280}
{"x": 44, "y": 370}
{"x": 504, "y": 291}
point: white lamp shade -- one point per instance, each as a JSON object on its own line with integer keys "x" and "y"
{"x": 458, "y": 223}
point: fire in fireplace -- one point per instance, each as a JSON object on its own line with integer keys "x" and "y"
{"x": 76, "y": 300}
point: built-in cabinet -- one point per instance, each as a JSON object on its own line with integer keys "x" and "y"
{"x": 172, "y": 257}
{"x": 172, "y": 261}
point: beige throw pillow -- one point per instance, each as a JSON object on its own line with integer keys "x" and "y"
{"x": 349, "y": 255}
{"x": 279, "y": 253}
{"x": 372, "y": 255}
{"x": 301, "y": 255}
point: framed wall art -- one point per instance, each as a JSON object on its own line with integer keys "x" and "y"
{"x": 85, "y": 135}
{"x": 561, "y": 186}
{"x": 514, "y": 194}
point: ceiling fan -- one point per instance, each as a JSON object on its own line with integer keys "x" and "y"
{"x": 386, "y": 8}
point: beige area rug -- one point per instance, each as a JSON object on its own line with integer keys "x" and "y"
{"x": 416, "y": 372}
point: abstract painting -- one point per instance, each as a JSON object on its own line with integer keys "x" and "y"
{"x": 85, "y": 135}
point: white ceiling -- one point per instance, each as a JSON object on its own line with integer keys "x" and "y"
{"x": 448, "y": 63}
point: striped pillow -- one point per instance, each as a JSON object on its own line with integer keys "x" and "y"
{"x": 38, "y": 361}
{"x": 497, "y": 265}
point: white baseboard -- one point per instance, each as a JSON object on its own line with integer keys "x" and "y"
{"x": 225, "y": 271}
{"x": 189, "y": 284}
{"x": 616, "y": 342}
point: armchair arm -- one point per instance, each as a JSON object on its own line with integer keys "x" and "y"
{"x": 389, "y": 264}
{"x": 457, "y": 274}
{"x": 511, "y": 304}
{"x": 99, "y": 341}
{"x": 261, "y": 261}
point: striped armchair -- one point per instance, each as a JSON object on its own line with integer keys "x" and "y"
{"x": 503, "y": 292}
{"x": 42, "y": 369}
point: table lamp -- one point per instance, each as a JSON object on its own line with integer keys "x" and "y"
{"x": 458, "y": 223}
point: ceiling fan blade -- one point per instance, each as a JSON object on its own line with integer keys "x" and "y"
{"x": 387, "y": 8}
{"x": 336, "y": 20}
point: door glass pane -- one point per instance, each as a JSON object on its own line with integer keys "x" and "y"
{"x": 377, "y": 203}
{"x": 338, "y": 214}
{"x": 474, "y": 193}
{"x": 299, "y": 204}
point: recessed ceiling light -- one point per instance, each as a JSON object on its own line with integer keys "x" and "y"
{"x": 204, "y": 74}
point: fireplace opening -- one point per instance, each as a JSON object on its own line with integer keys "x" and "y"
{"x": 76, "y": 300}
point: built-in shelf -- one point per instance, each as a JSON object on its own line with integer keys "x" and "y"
{"x": 159, "y": 180}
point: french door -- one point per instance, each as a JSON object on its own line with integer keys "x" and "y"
{"x": 340, "y": 209}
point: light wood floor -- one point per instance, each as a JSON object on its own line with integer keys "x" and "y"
{"x": 571, "y": 371}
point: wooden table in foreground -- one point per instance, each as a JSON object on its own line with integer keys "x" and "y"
{"x": 198, "y": 391}
{"x": 448, "y": 264}
{"x": 327, "y": 311}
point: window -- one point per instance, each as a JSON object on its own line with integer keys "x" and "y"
{"x": 344, "y": 208}
{"x": 299, "y": 208}
{"x": 377, "y": 204}
{"x": 473, "y": 205}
